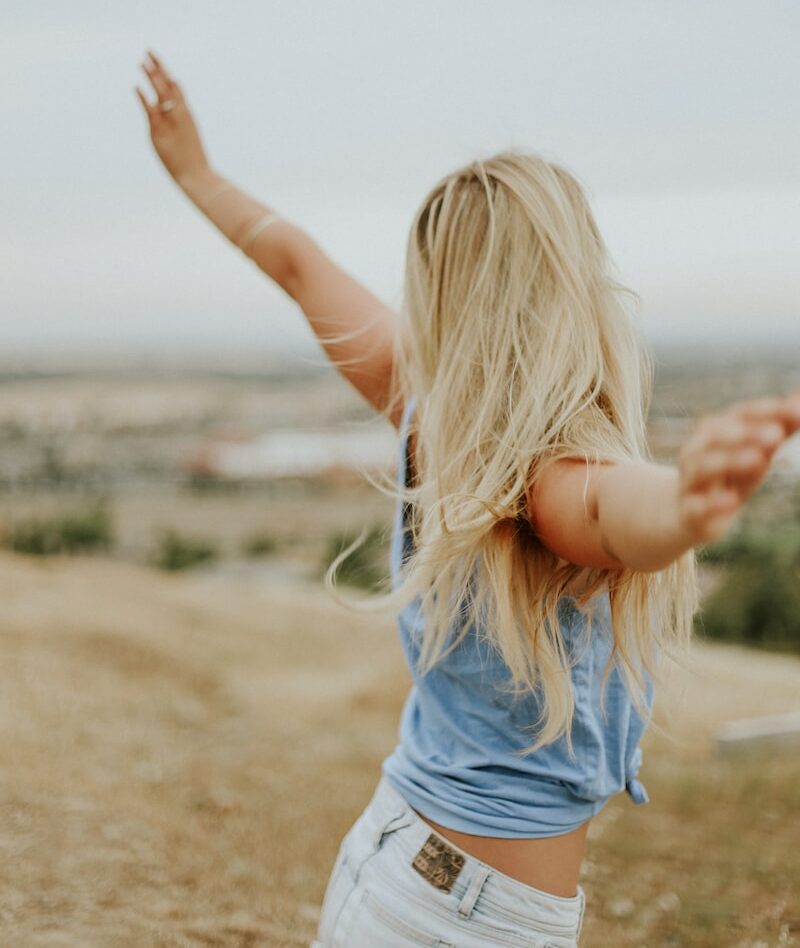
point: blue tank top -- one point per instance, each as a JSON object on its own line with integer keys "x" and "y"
{"x": 455, "y": 760}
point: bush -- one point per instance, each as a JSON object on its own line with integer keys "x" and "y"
{"x": 259, "y": 544}
{"x": 69, "y": 532}
{"x": 367, "y": 566}
{"x": 176, "y": 552}
{"x": 779, "y": 543}
{"x": 88, "y": 530}
{"x": 758, "y": 601}
{"x": 206, "y": 482}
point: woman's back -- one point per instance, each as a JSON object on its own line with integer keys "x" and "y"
{"x": 456, "y": 761}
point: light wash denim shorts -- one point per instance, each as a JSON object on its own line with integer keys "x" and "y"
{"x": 396, "y": 883}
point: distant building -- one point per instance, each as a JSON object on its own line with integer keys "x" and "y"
{"x": 295, "y": 453}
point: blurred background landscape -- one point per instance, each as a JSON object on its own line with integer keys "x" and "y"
{"x": 188, "y": 723}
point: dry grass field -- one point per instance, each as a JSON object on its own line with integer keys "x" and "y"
{"x": 182, "y": 755}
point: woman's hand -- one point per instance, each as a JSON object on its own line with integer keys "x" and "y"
{"x": 725, "y": 459}
{"x": 173, "y": 133}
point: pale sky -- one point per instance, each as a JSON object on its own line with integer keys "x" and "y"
{"x": 680, "y": 118}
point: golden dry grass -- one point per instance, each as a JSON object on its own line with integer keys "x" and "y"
{"x": 182, "y": 755}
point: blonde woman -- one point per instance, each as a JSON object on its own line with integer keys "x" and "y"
{"x": 542, "y": 564}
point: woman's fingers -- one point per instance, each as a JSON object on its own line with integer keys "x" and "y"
{"x": 720, "y": 464}
{"x": 782, "y": 411}
{"x": 166, "y": 86}
{"x": 172, "y": 86}
{"x": 710, "y": 515}
{"x": 738, "y": 439}
{"x": 158, "y": 81}
{"x": 159, "y": 66}
{"x": 149, "y": 109}
{"x": 727, "y": 429}
{"x": 727, "y": 457}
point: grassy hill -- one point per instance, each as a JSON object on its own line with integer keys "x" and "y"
{"x": 183, "y": 753}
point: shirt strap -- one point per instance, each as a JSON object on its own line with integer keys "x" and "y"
{"x": 408, "y": 410}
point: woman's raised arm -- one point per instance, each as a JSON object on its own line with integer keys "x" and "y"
{"x": 355, "y": 328}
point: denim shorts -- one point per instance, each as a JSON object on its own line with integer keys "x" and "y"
{"x": 396, "y": 883}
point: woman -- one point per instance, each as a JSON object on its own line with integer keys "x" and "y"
{"x": 542, "y": 564}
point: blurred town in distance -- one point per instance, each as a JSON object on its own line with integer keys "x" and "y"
{"x": 240, "y": 453}
{"x": 271, "y": 451}
{"x": 127, "y": 423}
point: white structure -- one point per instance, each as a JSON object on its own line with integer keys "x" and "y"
{"x": 296, "y": 452}
{"x": 773, "y": 730}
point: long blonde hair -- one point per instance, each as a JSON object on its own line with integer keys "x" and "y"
{"x": 519, "y": 348}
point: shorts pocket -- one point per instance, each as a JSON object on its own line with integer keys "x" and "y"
{"x": 487, "y": 933}
{"x": 378, "y": 925}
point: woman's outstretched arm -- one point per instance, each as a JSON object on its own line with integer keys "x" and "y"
{"x": 642, "y": 515}
{"x": 335, "y": 304}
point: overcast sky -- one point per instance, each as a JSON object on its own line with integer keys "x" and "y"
{"x": 680, "y": 118}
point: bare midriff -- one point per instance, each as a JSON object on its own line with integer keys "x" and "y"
{"x": 549, "y": 863}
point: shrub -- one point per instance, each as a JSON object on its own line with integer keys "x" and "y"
{"x": 758, "y": 601}
{"x": 86, "y": 530}
{"x": 259, "y": 544}
{"x": 176, "y": 552}
{"x": 67, "y": 532}
{"x": 35, "y": 536}
{"x": 779, "y": 543}
{"x": 202, "y": 482}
